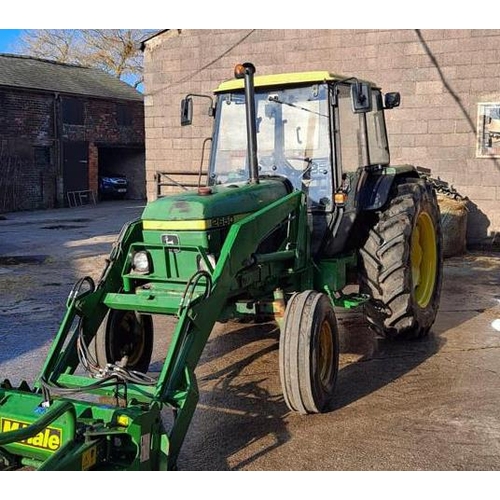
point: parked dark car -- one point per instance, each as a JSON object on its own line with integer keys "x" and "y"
{"x": 113, "y": 186}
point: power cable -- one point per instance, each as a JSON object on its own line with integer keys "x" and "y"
{"x": 206, "y": 66}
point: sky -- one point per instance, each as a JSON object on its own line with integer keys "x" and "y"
{"x": 8, "y": 39}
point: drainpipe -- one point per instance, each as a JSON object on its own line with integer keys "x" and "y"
{"x": 59, "y": 181}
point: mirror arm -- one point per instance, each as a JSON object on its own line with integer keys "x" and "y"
{"x": 211, "y": 109}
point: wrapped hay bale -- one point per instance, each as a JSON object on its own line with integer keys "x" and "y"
{"x": 454, "y": 224}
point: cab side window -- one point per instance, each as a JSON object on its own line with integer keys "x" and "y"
{"x": 377, "y": 135}
{"x": 351, "y": 151}
{"x": 351, "y": 132}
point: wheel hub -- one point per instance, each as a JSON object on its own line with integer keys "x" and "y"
{"x": 325, "y": 354}
{"x": 423, "y": 259}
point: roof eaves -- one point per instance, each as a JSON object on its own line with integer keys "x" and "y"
{"x": 142, "y": 43}
{"x": 42, "y": 90}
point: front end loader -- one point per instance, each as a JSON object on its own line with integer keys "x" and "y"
{"x": 300, "y": 202}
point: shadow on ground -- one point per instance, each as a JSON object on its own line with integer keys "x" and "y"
{"x": 242, "y": 415}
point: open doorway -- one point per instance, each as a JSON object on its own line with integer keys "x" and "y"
{"x": 122, "y": 173}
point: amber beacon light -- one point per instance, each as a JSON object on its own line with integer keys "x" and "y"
{"x": 241, "y": 69}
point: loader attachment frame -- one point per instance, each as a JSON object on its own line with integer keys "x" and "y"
{"x": 126, "y": 432}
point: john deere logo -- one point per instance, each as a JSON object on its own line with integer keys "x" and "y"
{"x": 171, "y": 240}
{"x": 48, "y": 439}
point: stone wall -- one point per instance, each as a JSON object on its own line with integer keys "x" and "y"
{"x": 442, "y": 75}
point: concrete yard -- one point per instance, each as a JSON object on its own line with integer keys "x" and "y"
{"x": 427, "y": 405}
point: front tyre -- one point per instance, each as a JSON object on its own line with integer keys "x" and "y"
{"x": 401, "y": 262}
{"x": 125, "y": 338}
{"x": 309, "y": 352}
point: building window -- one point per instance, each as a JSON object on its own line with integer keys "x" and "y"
{"x": 123, "y": 115}
{"x": 72, "y": 111}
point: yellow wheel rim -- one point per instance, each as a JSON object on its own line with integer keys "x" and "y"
{"x": 325, "y": 353}
{"x": 423, "y": 259}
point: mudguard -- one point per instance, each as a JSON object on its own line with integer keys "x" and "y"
{"x": 375, "y": 190}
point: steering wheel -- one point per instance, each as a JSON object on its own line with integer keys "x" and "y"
{"x": 284, "y": 167}
{"x": 270, "y": 162}
{"x": 310, "y": 163}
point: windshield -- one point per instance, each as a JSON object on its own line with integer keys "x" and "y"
{"x": 293, "y": 140}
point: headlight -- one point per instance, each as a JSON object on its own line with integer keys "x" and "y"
{"x": 141, "y": 262}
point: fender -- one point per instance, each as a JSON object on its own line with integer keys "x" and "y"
{"x": 375, "y": 189}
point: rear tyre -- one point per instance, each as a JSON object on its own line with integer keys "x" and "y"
{"x": 401, "y": 262}
{"x": 309, "y": 352}
{"x": 125, "y": 338}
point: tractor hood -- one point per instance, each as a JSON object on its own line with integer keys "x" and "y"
{"x": 209, "y": 204}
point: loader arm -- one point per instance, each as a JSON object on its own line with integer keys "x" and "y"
{"x": 177, "y": 383}
{"x": 137, "y": 408}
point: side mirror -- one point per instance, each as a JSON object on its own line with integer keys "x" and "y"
{"x": 186, "y": 111}
{"x": 392, "y": 100}
{"x": 361, "y": 97}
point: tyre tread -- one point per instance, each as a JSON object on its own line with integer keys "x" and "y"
{"x": 385, "y": 272}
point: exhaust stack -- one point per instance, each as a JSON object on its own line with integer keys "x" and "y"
{"x": 246, "y": 71}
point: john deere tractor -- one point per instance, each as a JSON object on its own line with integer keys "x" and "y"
{"x": 301, "y": 201}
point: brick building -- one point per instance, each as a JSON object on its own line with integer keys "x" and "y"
{"x": 61, "y": 126}
{"x": 445, "y": 78}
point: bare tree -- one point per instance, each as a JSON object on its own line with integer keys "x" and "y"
{"x": 114, "y": 51}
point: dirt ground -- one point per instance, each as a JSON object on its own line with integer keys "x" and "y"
{"x": 426, "y": 405}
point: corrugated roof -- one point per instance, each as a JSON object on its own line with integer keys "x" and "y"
{"x": 41, "y": 74}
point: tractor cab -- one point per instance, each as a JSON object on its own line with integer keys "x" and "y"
{"x": 312, "y": 128}
{"x": 322, "y": 132}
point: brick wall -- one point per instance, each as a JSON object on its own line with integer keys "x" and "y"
{"x": 442, "y": 75}
{"x": 101, "y": 123}
{"x": 93, "y": 163}
{"x": 29, "y": 173}
{"x": 27, "y": 168}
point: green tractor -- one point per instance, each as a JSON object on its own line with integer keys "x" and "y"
{"x": 301, "y": 201}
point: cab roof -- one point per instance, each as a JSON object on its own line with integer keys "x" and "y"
{"x": 282, "y": 79}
